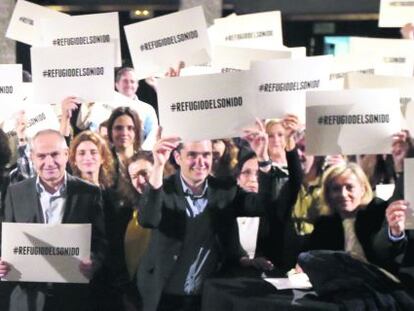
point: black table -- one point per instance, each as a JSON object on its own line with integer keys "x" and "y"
{"x": 255, "y": 294}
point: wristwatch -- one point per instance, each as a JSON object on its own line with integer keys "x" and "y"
{"x": 264, "y": 163}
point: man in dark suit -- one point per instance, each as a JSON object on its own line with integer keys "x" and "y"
{"x": 193, "y": 216}
{"x": 55, "y": 197}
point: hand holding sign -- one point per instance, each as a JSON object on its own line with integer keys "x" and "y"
{"x": 407, "y": 31}
{"x": 4, "y": 268}
{"x": 291, "y": 124}
{"x": 172, "y": 72}
{"x": 395, "y": 215}
{"x": 21, "y": 125}
{"x": 400, "y": 146}
{"x": 86, "y": 268}
{"x": 69, "y": 105}
{"x": 163, "y": 148}
{"x": 258, "y": 140}
{"x": 161, "y": 152}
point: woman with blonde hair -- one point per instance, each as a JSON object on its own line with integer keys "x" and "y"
{"x": 354, "y": 215}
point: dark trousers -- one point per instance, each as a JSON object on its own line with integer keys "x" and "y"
{"x": 179, "y": 303}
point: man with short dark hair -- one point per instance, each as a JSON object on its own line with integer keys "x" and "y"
{"x": 193, "y": 216}
{"x": 55, "y": 197}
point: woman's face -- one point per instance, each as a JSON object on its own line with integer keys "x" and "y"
{"x": 345, "y": 193}
{"x": 139, "y": 172}
{"x": 87, "y": 157}
{"x": 248, "y": 178}
{"x": 123, "y": 132}
{"x": 277, "y": 140}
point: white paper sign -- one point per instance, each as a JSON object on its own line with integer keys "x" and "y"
{"x": 394, "y": 13}
{"x": 54, "y": 250}
{"x": 90, "y": 29}
{"x": 258, "y": 30}
{"x": 297, "y": 52}
{"x": 409, "y": 192}
{"x": 280, "y": 85}
{"x": 100, "y": 111}
{"x": 205, "y": 106}
{"x": 294, "y": 281}
{"x": 351, "y": 121}
{"x": 248, "y": 228}
{"x": 393, "y": 57}
{"x": 86, "y": 72}
{"x": 157, "y": 44}
{"x": 240, "y": 58}
{"x": 198, "y": 70}
{"x": 24, "y": 25}
{"x": 409, "y": 117}
{"x": 39, "y": 117}
{"x": 405, "y": 86}
{"x": 10, "y": 85}
{"x": 344, "y": 64}
{"x": 384, "y": 191}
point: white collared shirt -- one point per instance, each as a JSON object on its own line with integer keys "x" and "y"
{"x": 53, "y": 204}
{"x": 149, "y": 121}
{"x": 197, "y": 203}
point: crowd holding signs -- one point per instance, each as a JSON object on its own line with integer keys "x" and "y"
{"x": 226, "y": 83}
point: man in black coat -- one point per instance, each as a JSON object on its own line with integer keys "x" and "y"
{"x": 193, "y": 216}
{"x": 55, "y": 197}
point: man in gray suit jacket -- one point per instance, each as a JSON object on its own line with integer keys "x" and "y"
{"x": 193, "y": 216}
{"x": 55, "y": 197}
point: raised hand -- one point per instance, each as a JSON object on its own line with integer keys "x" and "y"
{"x": 258, "y": 140}
{"x": 400, "y": 147}
{"x": 395, "y": 214}
{"x": 407, "y": 31}
{"x": 4, "y": 268}
{"x": 68, "y": 105}
{"x": 21, "y": 126}
{"x": 291, "y": 124}
{"x": 163, "y": 148}
{"x": 161, "y": 152}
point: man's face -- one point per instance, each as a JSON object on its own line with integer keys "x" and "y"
{"x": 195, "y": 161}
{"x": 127, "y": 84}
{"x": 49, "y": 157}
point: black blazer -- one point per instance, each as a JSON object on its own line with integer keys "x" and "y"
{"x": 397, "y": 257}
{"x": 83, "y": 205}
{"x": 328, "y": 233}
{"x": 164, "y": 210}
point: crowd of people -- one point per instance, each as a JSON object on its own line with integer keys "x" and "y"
{"x": 165, "y": 221}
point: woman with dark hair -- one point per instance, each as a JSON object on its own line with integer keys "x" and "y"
{"x": 137, "y": 237}
{"x": 124, "y": 134}
{"x": 224, "y": 157}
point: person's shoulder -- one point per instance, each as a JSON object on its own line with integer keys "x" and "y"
{"x": 224, "y": 183}
{"x": 172, "y": 183}
{"x": 376, "y": 205}
{"x": 147, "y": 107}
{"x": 77, "y": 184}
{"x": 21, "y": 185}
